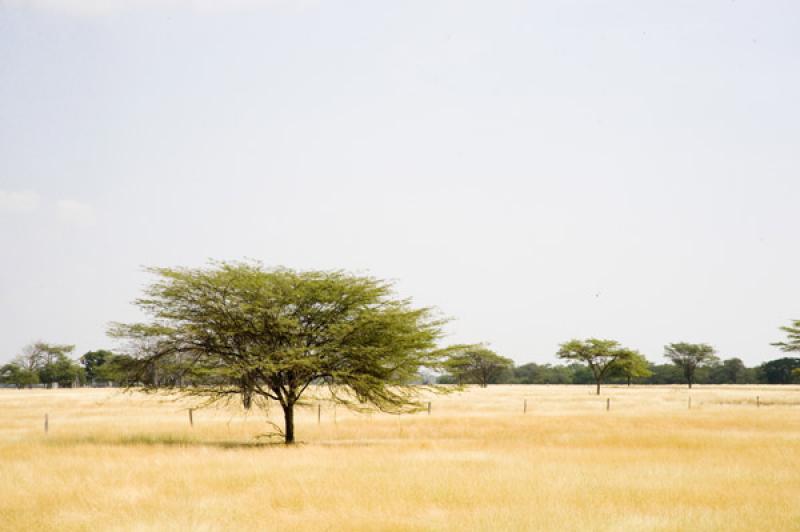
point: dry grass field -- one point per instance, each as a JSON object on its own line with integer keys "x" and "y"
{"x": 114, "y": 461}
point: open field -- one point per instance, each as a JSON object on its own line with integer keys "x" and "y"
{"x": 113, "y": 461}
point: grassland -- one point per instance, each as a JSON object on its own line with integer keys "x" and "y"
{"x": 114, "y": 461}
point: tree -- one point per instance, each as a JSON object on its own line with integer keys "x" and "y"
{"x": 117, "y": 368}
{"x": 688, "y": 357}
{"x": 92, "y": 361}
{"x": 793, "y": 341}
{"x": 780, "y": 371}
{"x": 601, "y": 356}
{"x": 20, "y": 377}
{"x": 61, "y": 370}
{"x": 48, "y": 361}
{"x": 731, "y": 371}
{"x": 634, "y": 366}
{"x": 477, "y": 364}
{"x": 267, "y": 334}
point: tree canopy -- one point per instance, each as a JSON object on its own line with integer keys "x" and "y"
{"x": 601, "y": 356}
{"x": 792, "y": 342}
{"x": 46, "y": 363}
{"x": 476, "y": 364}
{"x": 688, "y": 357}
{"x": 267, "y": 334}
{"x": 780, "y": 371}
{"x": 631, "y": 367}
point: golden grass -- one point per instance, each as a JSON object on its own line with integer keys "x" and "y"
{"x": 114, "y": 461}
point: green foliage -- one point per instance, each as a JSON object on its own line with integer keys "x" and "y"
{"x": 601, "y": 356}
{"x": 267, "y": 334}
{"x": 476, "y": 365}
{"x": 18, "y": 376}
{"x": 631, "y": 367}
{"x": 50, "y": 363}
{"x": 731, "y": 371}
{"x": 62, "y": 370}
{"x": 793, "y": 337}
{"x": 688, "y": 357}
{"x": 780, "y": 371}
{"x": 92, "y": 361}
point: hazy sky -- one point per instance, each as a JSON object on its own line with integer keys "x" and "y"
{"x": 536, "y": 170}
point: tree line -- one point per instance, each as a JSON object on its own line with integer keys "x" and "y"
{"x": 50, "y": 365}
{"x": 240, "y": 332}
{"x": 728, "y": 371}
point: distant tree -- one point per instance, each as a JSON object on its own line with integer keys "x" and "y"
{"x": 731, "y": 371}
{"x": 18, "y": 376}
{"x": 48, "y": 361}
{"x": 268, "y": 334}
{"x": 780, "y": 371}
{"x": 92, "y": 361}
{"x": 118, "y": 368}
{"x": 688, "y": 357}
{"x": 542, "y": 374}
{"x": 796, "y": 375}
{"x": 477, "y": 364}
{"x": 633, "y": 367}
{"x": 601, "y": 356}
{"x": 792, "y": 342}
{"x": 61, "y": 370}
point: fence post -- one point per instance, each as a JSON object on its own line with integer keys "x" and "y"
{"x": 608, "y": 404}
{"x": 525, "y": 406}
{"x": 191, "y": 418}
{"x": 429, "y": 408}
{"x": 319, "y": 413}
{"x": 46, "y": 424}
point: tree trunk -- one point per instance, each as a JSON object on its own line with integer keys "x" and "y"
{"x": 598, "y": 387}
{"x": 288, "y": 419}
{"x": 629, "y": 380}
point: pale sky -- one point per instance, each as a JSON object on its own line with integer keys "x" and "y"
{"x": 537, "y": 171}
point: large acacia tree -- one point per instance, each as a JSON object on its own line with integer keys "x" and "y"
{"x": 602, "y": 356}
{"x": 689, "y": 357}
{"x": 241, "y": 330}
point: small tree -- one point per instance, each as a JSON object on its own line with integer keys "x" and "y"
{"x": 62, "y": 370}
{"x": 92, "y": 361}
{"x": 477, "y": 364}
{"x": 633, "y": 367}
{"x": 20, "y": 377}
{"x": 601, "y": 356}
{"x": 268, "y": 334}
{"x": 50, "y": 362}
{"x": 688, "y": 357}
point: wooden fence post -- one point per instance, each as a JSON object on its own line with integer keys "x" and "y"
{"x": 191, "y": 418}
{"x": 46, "y": 424}
{"x": 319, "y": 413}
{"x": 608, "y": 404}
{"x": 429, "y": 408}
{"x": 525, "y": 406}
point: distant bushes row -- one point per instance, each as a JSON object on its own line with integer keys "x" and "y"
{"x": 729, "y": 371}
